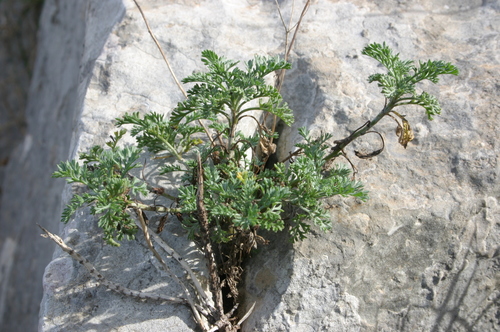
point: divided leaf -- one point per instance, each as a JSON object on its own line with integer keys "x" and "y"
{"x": 225, "y": 90}
{"x": 398, "y": 85}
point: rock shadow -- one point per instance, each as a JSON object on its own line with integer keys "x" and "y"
{"x": 269, "y": 270}
{"x": 80, "y": 303}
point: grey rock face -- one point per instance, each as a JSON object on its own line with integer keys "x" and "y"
{"x": 67, "y": 47}
{"x": 420, "y": 255}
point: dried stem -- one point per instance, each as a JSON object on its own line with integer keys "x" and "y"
{"x": 102, "y": 280}
{"x": 166, "y": 269}
{"x": 161, "y": 50}
{"x": 249, "y": 312}
{"x": 288, "y": 29}
{"x": 170, "y": 67}
{"x": 288, "y": 49}
{"x": 207, "y": 244}
{"x": 170, "y": 251}
{"x": 155, "y": 208}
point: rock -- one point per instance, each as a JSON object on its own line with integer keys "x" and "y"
{"x": 420, "y": 255}
{"x": 71, "y": 36}
{"x": 17, "y": 57}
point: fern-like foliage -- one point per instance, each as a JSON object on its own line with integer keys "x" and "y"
{"x": 238, "y": 199}
{"x": 157, "y": 134}
{"x": 110, "y": 187}
{"x": 241, "y": 195}
{"x": 229, "y": 194}
{"x": 398, "y": 85}
{"x": 226, "y": 90}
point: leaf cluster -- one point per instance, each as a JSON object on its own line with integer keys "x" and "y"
{"x": 398, "y": 84}
{"x": 238, "y": 199}
{"x": 158, "y": 134}
{"x": 110, "y": 187}
{"x": 399, "y": 88}
{"x": 228, "y": 92}
{"x": 241, "y": 195}
{"x": 228, "y": 193}
{"x": 310, "y": 184}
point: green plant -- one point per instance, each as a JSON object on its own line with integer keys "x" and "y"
{"x": 240, "y": 196}
{"x": 399, "y": 88}
{"x": 225, "y": 192}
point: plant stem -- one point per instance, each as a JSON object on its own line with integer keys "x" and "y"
{"x": 156, "y": 208}
{"x": 189, "y": 298}
{"x": 207, "y": 244}
{"x": 169, "y": 67}
{"x": 341, "y": 144}
{"x": 171, "y": 148}
{"x": 109, "y": 284}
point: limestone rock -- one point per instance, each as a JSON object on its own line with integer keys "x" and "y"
{"x": 420, "y": 255}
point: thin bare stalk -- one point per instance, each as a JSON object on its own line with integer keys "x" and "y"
{"x": 166, "y": 269}
{"x": 249, "y": 312}
{"x": 102, "y": 280}
{"x": 170, "y": 67}
{"x": 161, "y": 50}
{"x": 288, "y": 49}
{"x": 288, "y": 29}
{"x": 155, "y": 208}
{"x": 170, "y": 251}
{"x": 207, "y": 244}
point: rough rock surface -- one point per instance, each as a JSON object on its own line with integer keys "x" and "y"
{"x": 17, "y": 58}
{"x": 421, "y": 255}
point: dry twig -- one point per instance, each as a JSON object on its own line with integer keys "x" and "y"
{"x": 102, "y": 280}
{"x": 170, "y": 67}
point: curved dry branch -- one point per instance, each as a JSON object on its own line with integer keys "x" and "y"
{"x": 373, "y": 153}
{"x": 105, "y": 282}
{"x": 190, "y": 299}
